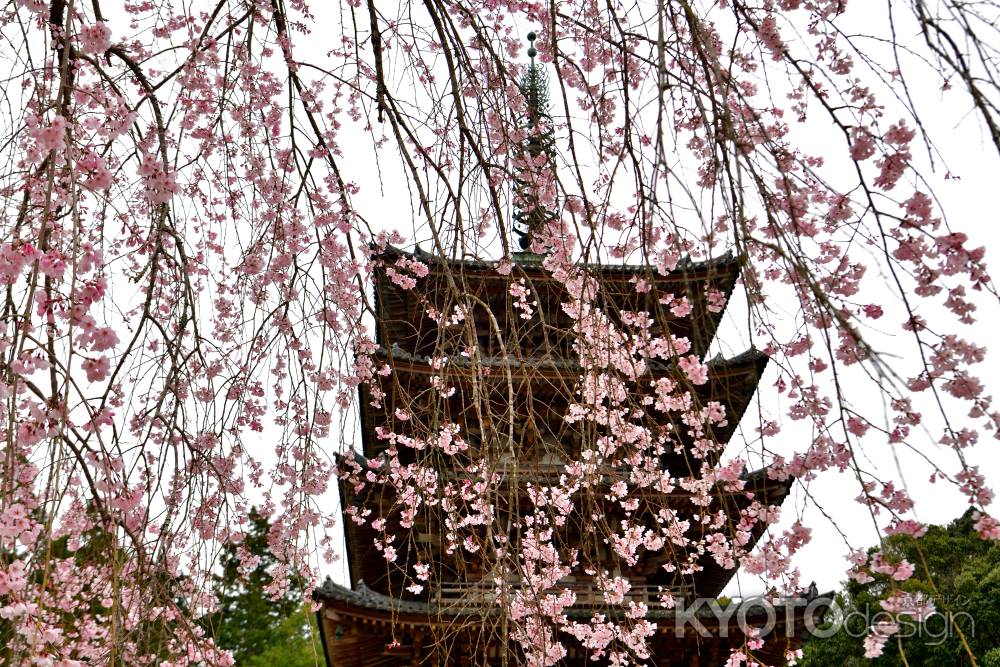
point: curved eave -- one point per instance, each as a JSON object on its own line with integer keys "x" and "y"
{"x": 356, "y": 548}
{"x": 366, "y": 562}
{"x": 363, "y": 603}
{"x": 732, "y": 382}
{"x": 357, "y": 633}
{"x": 713, "y": 578}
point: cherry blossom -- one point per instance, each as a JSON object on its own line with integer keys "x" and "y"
{"x": 199, "y": 202}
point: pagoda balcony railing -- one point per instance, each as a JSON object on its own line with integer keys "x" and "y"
{"x": 588, "y": 594}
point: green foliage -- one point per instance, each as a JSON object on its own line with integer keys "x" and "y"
{"x": 293, "y": 643}
{"x": 965, "y": 571}
{"x": 258, "y": 630}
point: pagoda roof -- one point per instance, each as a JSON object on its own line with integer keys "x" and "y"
{"x": 731, "y": 381}
{"x": 422, "y": 363}
{"x": 707, "y": 582}
{"x": 402, "y": 317}
{"x": 364, "y": 628}
{"x": 532, "y": 263}
{"x": 362, "y": 597}
{"x": 713, "y": 578}
{"x": 758, "y": 480}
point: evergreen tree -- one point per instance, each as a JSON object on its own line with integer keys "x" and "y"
{"x": 257, "y": 629}
{"x": 965, "y": 570}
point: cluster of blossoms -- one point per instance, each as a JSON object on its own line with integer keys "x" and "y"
{"x": 188, "y": 242}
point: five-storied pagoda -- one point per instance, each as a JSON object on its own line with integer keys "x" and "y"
{"x": 480, "y": 368}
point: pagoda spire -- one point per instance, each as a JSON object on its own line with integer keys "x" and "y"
{"x": 530, "y": 212}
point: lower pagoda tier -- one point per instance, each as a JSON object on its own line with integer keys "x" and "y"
{"x": 368, "y": 564}
{"x": 363, "y": 628}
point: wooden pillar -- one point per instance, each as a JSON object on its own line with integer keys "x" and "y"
{"x": 418, "y": 646}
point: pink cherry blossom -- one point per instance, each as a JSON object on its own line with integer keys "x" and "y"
{"x": 95, "y": 38}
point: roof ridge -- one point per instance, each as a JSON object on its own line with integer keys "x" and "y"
{"x": 684, "y": 265}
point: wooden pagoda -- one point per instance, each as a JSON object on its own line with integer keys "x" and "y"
{"x": 455, "y": 620}
{"x": 489, "y": 347}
